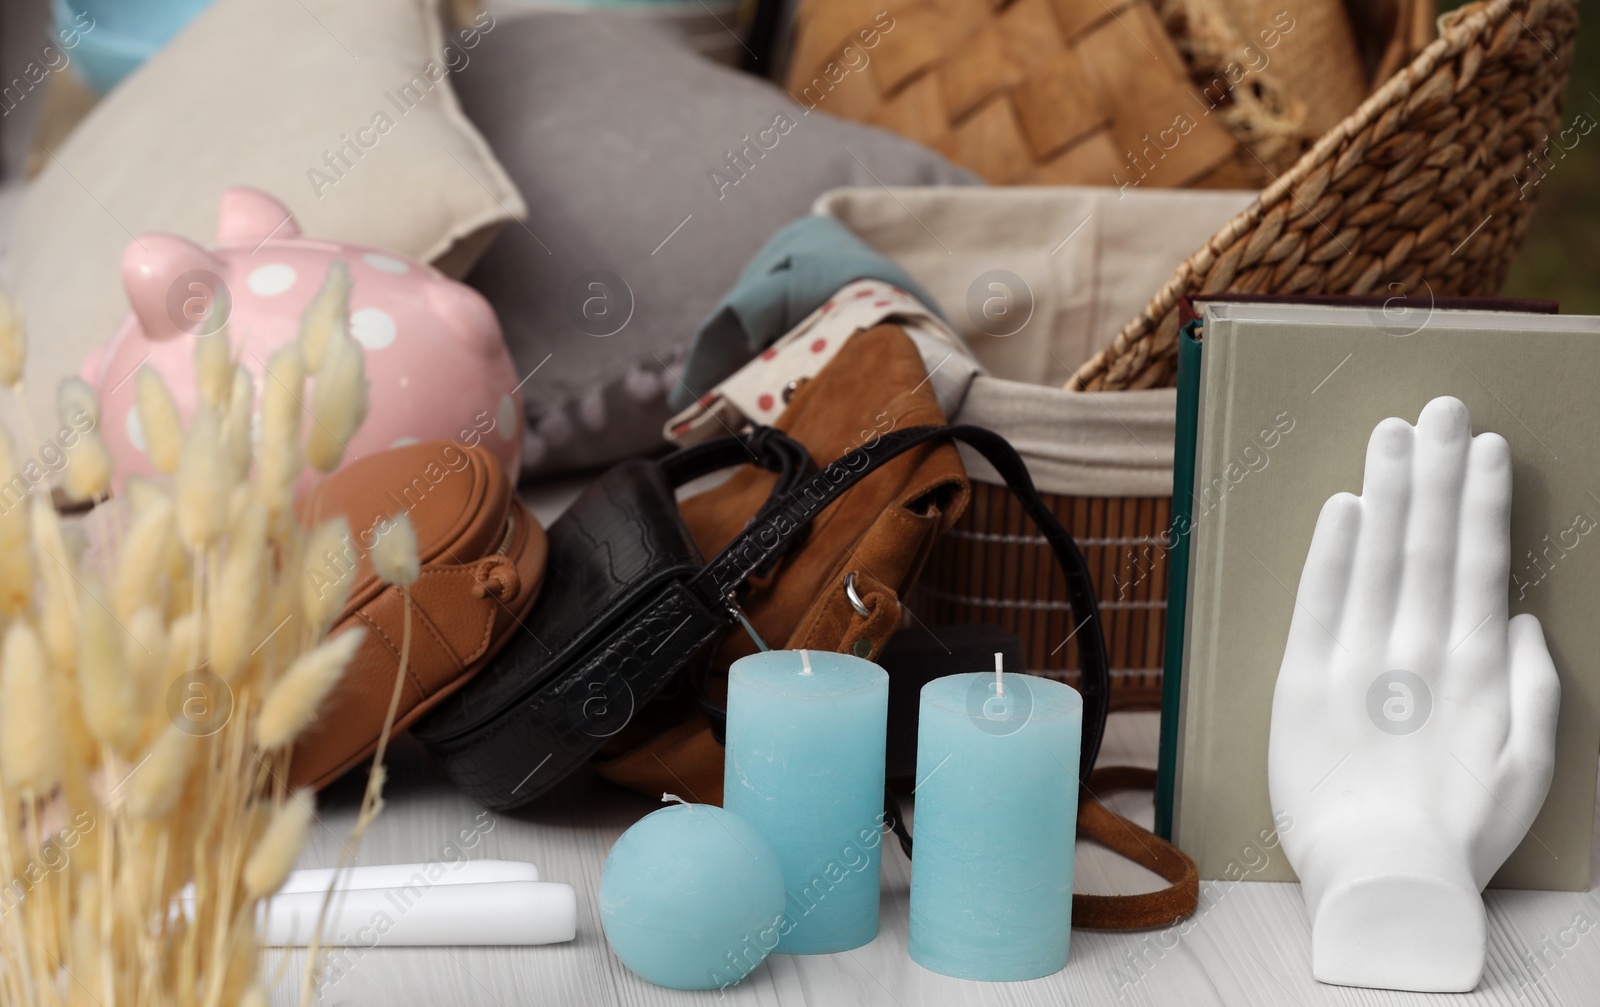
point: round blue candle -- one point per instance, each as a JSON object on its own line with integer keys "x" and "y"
{"x": 805, "y": 767}
{"x": 691, "y": 898}
{"x": 996, "y": 814}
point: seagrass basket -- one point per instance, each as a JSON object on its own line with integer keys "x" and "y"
{"x": 1420, "y": 192}
{"x": 1101, "y": 92}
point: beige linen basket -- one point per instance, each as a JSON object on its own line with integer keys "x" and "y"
{"x": 1418, "y": 192}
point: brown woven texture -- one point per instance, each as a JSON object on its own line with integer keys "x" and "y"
{"x": 994, "y": 567}
{"x": 1018, "y": 91}
{"x": 1414, "y": 193}
{"x": 1073, "y": 92}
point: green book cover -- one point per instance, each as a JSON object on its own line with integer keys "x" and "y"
{"x": 1280, "y": 412}
{"x": 1178, "y": 561}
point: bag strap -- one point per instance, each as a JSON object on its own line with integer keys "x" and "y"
{"x": 1142, "y": 911}
{"x": 800, "y": 495}
{"x": 1159, "y": 908}
{"x": 765, "y": 447}
{"x": 784, "y": 519}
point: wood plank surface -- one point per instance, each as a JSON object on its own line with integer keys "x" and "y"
{"x": 1249, "y": 944}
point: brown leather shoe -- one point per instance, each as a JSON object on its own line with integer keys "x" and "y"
{"x": 483, "y": 561}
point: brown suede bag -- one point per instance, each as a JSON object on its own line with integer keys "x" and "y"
{"x": 877, "y": 536}
{"x": 880, "y": 531}
{"x": 483, "y": 562}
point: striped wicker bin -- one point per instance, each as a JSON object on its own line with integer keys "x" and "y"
{"x": 993, "y": 567}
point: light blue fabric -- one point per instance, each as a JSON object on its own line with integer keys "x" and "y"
{"x": 797, "y": 270}
{"x": 113, "y": 38}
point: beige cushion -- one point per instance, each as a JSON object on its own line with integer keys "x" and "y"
{"x": 256, "y": 92}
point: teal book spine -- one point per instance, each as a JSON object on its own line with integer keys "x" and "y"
{"x": 1188, "y": 418}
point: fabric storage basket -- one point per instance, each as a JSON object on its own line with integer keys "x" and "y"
{"x": 1035, "y": 279}
{"x": 1416, "y": 193}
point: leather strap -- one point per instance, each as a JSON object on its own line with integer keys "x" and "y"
{"x": 1143, "y": 911}
{"x": 764, "y": 447}
{"x": 799, "y": 496}
{"x": 1159, "y": 908}
{"x": 785, "y": 518}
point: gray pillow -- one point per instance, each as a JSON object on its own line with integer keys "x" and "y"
{"x": 651, "y": 176}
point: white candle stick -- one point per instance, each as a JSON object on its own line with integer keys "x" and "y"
{"x": 474, "y": 902}
{"x": 805, "y": 663}
{"x": 999, "y": 676}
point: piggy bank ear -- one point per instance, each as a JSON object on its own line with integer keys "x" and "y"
{"x": 174, "y": 286}
{"x": 467, "y": 316}
{"x": 250, "y": 217}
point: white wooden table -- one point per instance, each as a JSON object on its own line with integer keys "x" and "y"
{"x": 1247, "y": 945}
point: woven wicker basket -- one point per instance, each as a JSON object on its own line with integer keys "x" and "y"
{"x": 1076, "y": 92}
{"x": 1414, "y": 194}
{"x": 994, "y": 567}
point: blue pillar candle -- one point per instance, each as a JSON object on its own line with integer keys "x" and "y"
{"x": 996, "y": 815}
{"x": 805, "y": 768}
{"x": 691, "y": 898}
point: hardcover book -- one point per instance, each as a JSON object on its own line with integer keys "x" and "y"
{"x": 1283, "y": 400}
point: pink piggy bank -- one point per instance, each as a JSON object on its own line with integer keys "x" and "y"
{"x": 436, "y": 365}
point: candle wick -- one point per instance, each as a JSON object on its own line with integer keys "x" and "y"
{"x": 805, "y": 663}
{"x": 668, "y": 798}
{"x": 999, "y": 676}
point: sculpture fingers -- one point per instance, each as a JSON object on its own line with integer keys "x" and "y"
{"x": 1529, "y": 757}
{"x": 1385, "y": 499}
{"x": 1483, "y": 563}
{"x": 1427, "y": 581}
{"x": 1324, "y": 589}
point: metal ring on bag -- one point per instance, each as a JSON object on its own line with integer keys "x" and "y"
{"x": 855, "y": 599}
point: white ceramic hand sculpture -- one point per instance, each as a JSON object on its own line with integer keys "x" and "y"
{"x": 1413, "y": 724}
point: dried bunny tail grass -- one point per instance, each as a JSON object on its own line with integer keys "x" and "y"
{"x": 279, "y": 452}
{"x": 327, "y": 319}
{"x": 157, "y": 782}
{"x": 295, "y": 699}
{"x": 158, "y": 416}
{"x": 76, "y": 403}
{"x": 143, "y": 554}
{"x": 202, "y": 484}
{"x": 282, "y": 394}
{"x": 47, "y": 535}
{"x": 16, "y": 564}
{"x": 146, "y": 653}
{"x": 239, "y": 422}
{"x": 235, "y": 610}
{"x": 255, "y": 996}
{"x": 13, "y": 342}
{"x": 338, "y": 403}
{"x": 107, "y": 692}
{"x": 328, "y": 572}
{"x": 394, "y": 555}
{"x": 88, "y": 472}
{"x": 8, "y": 460}
{"x": 213, "y": 368}
{"x": 30, "y": 746}
{"x": 58, "y": 602}
{"x": 275, "y": 853}
{"x": 182, "y": 657}
{"x": 143, "y": 493}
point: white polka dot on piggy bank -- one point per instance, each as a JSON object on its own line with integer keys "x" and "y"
{"x": 436, "y": 364}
